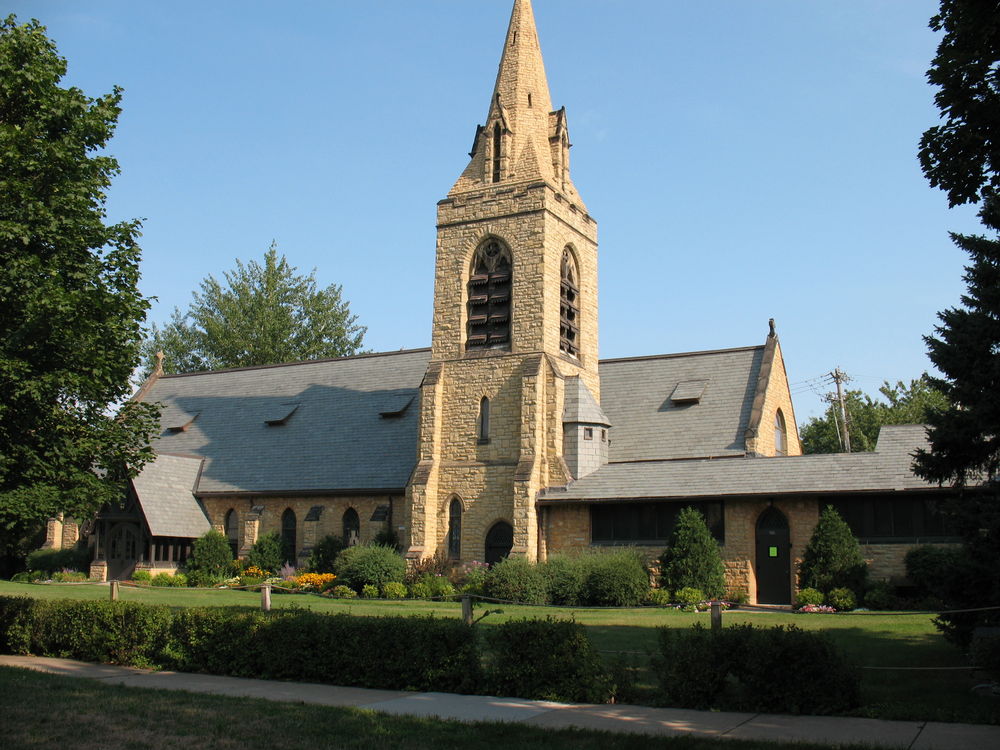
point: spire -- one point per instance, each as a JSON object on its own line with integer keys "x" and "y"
{"x": 523, "y": 139}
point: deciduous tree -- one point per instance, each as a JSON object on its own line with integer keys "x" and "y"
{"x": 261, "y": 314}
{"x": 70, "y": 309}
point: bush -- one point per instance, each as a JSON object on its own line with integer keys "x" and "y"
{"x": 431, "y": 586}
{"x": 368, "y": 591}
{"x": 142, "y": 576}
{"x": 269, "y": 553}
{"x": 17, "y": 618}
{"x": 985, "y": 653}
{"x": 808, "y": 596}
{"x": 564, "y": 578}
{"x": 545, "y": 660}
{"x": 514, "y": 579}
{"x": 70, "y": 576}
{"x": 689, "y": 597}
{"x": 324, "y": 554}
{"x": 53, "y": 560}
{"x": 210, "y": 555}
{"x": 393, "y": 590}
{"x": 881, "y": 595}
{"x": 202, "y": 579}
{"x": 832, "y": 559}
{"x": 744, "y": 668}
{"x": 166, "y": 579}
{"x": 473, "y": 578}
{"x": 692, "y": 558}
{"x": 931, "y": 569}
{"x": 439, "y": 564}
{"x": 369, "y": 564}
{"x": 344, "y": 592}
{"x": 843, "y": 600}
{"x": 615, "y": 579}
{"x": 658, "y": 597}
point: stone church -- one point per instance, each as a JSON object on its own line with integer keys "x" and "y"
{"x": 509, "y": 436}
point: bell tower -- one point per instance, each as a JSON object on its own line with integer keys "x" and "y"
{"x": 515, "y": 316}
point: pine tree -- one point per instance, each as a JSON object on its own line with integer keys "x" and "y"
{"x": 832, "y": 559}
{"x": 692, "y": 558}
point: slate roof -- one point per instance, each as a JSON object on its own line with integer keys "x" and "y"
{"x": 646, "y": 424}
{"x": 885, "y": 470}
{"x": 335, "y": 440}
{"x": 165, "y": 490}
{"x": 579, "y": 405}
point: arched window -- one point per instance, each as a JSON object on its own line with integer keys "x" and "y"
{"x": 455, "y": 529}
{"x": 499, "y": 541}
{"x": 232, "y": 530}
{"x": 497, "y": 151}
{"x": 352, "y": 527}
{"x": 569, "y": 306}
{"x": 780, "y": 434}
{"x": 288, "y": 533}
{"x": 484, "y": 420}
{"x": 489, "y": 297}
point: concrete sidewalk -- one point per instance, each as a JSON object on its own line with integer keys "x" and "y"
{"x": 614, "y": 718}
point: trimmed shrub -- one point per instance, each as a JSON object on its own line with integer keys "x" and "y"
{"x": 430, "y": 586}
{"x": 514, "y": 579}
{"x": 746, "y": 668}
{"x": 142, "y": 576}
{"x": 808, "y": 596}
{"x": 843, "y": 600}
{"x": 344, "y": 592}
{"x": 393, "y": 590}
{"x": 369, "y": 564}
{"x": 217, "y": 640}
{"x": 615, "y": 579}
{"x": 545, "y": 660}
{"x": 659, "y": 598}
{"x": 564, "y": 578}
{"x": 324, "y": 554}
{"x": 368, "y": 591}
{"x": 202, "y": 579}
{"x": 832, "y": 559}
{"x": 689, "y": 596}
{"x": 52, "y": 560}
{"x": 17, "y": 618}
{"x": 881, "y": 595}
{"x": 692, "y": 558}
{"x": 931, "y": 570}
{"x": 166, "y": 579}
{"x": 210, "y": 555}
{"x": 269, "y": 553}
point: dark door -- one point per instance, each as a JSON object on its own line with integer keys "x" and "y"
{"x": 499, "y": 540}
{"x": 123, "y": 551}
{"x": 774, "y": 564}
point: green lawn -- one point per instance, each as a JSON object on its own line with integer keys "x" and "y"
{"x": 87, "y": 715}
{"x": 869, "y": 640}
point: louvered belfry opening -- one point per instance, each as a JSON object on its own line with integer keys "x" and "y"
{"x": 569, "y": 307}
{"x": 489, "y": 298}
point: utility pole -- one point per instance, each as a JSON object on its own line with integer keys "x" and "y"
{"x": 840, "y": 377}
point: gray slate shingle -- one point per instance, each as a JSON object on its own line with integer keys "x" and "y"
{"x": 334, "y": 440}
{"x": 887, "y": 469}
{"x": 165, "y": 489}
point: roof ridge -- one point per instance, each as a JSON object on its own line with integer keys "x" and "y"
{"x": 681, "y": 354}
{"x": 366, "y": 355}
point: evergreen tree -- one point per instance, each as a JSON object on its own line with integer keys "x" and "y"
{"x": 211, "y": 555}
{"x": 692, "y": 558}
{"x": 263, "y": 314}
{"x": 70, "y": 309}
{"x": 832, "y": 559}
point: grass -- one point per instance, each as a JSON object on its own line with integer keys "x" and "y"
{"x": 87, "y": 715}
{"x": 869, "y": 640}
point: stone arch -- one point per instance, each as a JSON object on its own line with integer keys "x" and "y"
{"x": 488, "y": 296}
{"x": 455, "y": 510}
{"x": 569, "y": 303}
{"x": 352, "y": 527}
{"x": 499, "y": 541}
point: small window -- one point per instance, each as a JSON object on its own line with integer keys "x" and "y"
{"x": 455, "y": 529}
{"x": 780, "y": 435}
{"x": 569, "y": 307}
{"x": 604, "y": 436}
{"x": 588, "y": 433}
{"x": 484, "y": 420}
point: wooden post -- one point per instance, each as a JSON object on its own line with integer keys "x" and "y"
{"x": 467, "y": 609}
{"x": 265, "y": 597}
{"x": 716, "y": 616}
{"x": 114, "y": 590}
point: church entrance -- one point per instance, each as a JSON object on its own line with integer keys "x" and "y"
{"x": 774, "y": 571}
{"x": 123, "y": 551}
{"x": 499, "y": 540}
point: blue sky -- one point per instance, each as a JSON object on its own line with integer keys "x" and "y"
{"x": 743, "y": 160}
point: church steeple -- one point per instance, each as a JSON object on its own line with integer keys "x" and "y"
{"x": 523, "y": 139}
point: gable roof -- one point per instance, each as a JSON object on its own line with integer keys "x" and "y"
{"x": 646, "y": 424}
{"x": 165, "y": 491}
{"x": 336, "y": 440}
{"x": 887, "y": 469}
